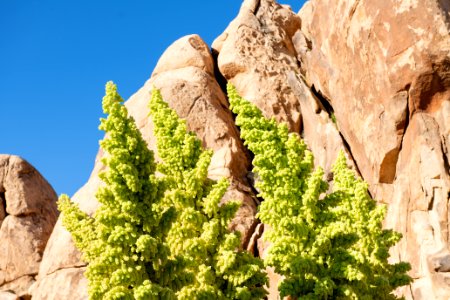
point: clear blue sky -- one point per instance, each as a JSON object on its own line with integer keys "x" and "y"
{"x": 56, "y": 56}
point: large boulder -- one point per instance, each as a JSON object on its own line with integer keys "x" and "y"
{"x": 376, "y": 71}
{"x": 383, "y": 67}
{"x": 27, "y": 216}
{"x": 255, "y": 54}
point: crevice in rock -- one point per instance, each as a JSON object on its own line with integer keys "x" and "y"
{"x": 251, "y": 232}
{"x": 431, "y": 203}
{"x": 26, "y": 214}
{"x": 252, "y": 178}
{"x": 258, "y": 5}
{"x": 444, "y": 6}
{"x": 3, "y": 212}
{"x": 65, "y": 268}
{"x": 17, "y": 278}
{"x": 194, "y": 102}
{"x": 407, "y": 119}
{"x": 349, "y": 151}
{"x": 326, "y": 104}
{"x": 445, "y": 158}
{"x": 220, "y": 79}
{"x": 257, "y": 233}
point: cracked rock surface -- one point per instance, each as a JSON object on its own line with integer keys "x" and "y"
{"x": 27, "y": 216}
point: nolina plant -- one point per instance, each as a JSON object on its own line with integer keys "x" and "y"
{"x": 200, "y": 232}
{"x": 327, "y": 246}
{"x": 123, "y": 241}
{"x": 159, "y": 237}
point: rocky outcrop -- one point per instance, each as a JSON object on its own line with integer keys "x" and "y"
{"x": 185, "y": 76}
{"x": 27, "y": 216}
{"x": 369, "y": 77}
{"x": 255, "y": 54}
{"x": 383, "y": 68}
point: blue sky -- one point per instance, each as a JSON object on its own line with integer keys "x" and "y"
{"x": 56, "y": 56}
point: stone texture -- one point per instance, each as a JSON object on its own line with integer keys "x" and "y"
{"x": 375, "y": 70}
{"x": 20, "y": 287}
{"x": 320, "y": 133}
{"x": 2, "y": 208}
{"x": 26, "y": 192}
{"x": 384, "y": 68}
{"x": 27, "y": 216}
{"x": 419, "y": 209}
{"x": 24, "y": 233}
{"x": 8, "y": 296}
{"x": 256, "y": 53}
{"x": 68, "y": 283}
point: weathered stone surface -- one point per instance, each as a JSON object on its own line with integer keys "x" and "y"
{"x": 2, "y": 209}
{"x": 24, "y": 189}
{"x": 27, "y": 216}
{"x": 256, "y": 53}
{"x": 419, "y": 209}
{"x": 384, "y": 67}
{"x": 20, "y": 287}
{"x": 189, "y": 51}
{"x": 8, "y": 296}
{"x": 320, "y": 133}
{"x": 66, "y": 283}
{"x": 372, "y": 68}
{"x": 24, "y": 233}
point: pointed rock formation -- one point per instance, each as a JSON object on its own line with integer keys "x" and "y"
{"x": 256, "y": 53}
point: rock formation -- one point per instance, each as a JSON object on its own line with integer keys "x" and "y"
{"x": 27, "y": 216}
{"x": 384, "y": 68}
{"x": 369, "y": 77}
{"x": 188, "y": 84}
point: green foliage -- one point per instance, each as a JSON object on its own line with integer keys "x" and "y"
{"x": 123, "y": 241}
{"x": 199, "y": 233}
{"x": 159, "y": 237}
{"x": 326, "y": 245}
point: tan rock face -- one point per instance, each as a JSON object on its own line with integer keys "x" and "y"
{"x": 20, "y": 286}
{"x": 256, "y": 54}
{"x": 419, "y": 208}
{"x": 384, "y": 68}
{"x": 67, "y": 283}
{"x": 320, "y": 132}
{"x": 8, "y": 296}
{"x": 27, "y": 216}
{"x": 375, "y": 70}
